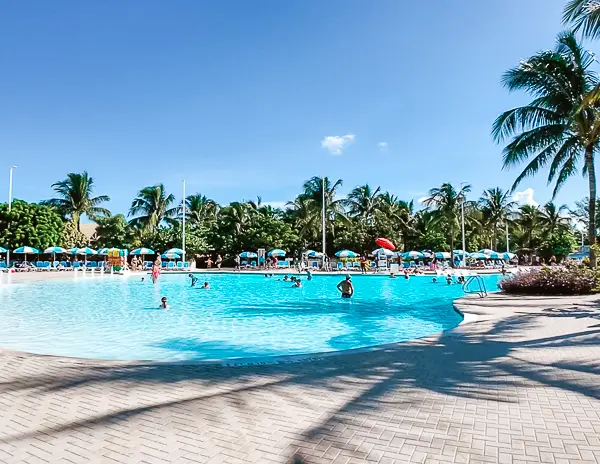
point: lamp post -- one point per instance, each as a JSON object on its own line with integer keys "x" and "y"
{"x": 10, "y": 183}
{"x": 323, "y": 216}
{"x": 507, "y": 239}
{"x": 462, "y": 220}
{"x": 183, "y": 210}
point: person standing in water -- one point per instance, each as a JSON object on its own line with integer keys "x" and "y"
{"x": 156, "y": 269}
{"x": 163, "y": 303}
{"x": 193, "y": 278}
{"x": 346, "y": 288}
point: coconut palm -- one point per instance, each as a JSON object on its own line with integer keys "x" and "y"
{"x": 560, "y": 127}
{"x": 552, "y": 219}
{"x": 362, "y": 202}
{"x": 151, "y": 207}
{"x": 496, "y": 206}
{"x": 584, "y": 15}
{"x": 528, "y": 218}
{"x": 75, "y": 198}
{"x": 200, "y": 209}
{"x": 399, "y": 212}
{"x": 445, "y": 205}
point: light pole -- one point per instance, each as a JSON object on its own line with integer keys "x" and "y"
{"x": 323, "y": 217}
{"x": 507, "y": 239}
{"x": 183, "y": 222}
{"x": 10, "y": 177}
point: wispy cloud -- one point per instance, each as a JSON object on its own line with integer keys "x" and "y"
{"x": 275, "y": 204}
{"x": 525, "y": 197}
{"x": 337, "y": 143}
{"x": 383, "y": 146}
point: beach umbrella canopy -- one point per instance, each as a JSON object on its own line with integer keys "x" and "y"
{"x": 142, "y": 251}
{"x": 179, "y": 251}
{"x": 413, "y": 255}
{"x": 55, "y": 249}
{"x": 508, "y": 255}
{"x": 3, "y": 250}
{"x": 443, "y": 255}
{"x": 346, "y": 254}
{"x": 460, "y": 252}
{"x": 385, "y": 243}
{"x": 102, "y": 251}
{"x": 479, "y": 255}
{"x": 82, "y": 251}
{"x": 248, "y": 254}
{"x": 277, "y": 253}
{"x": 170, "y": 255}
{"x": 487, "y": 251}
{"x": 313, "y": 254}
{"x": 382, "y": 251}
{"x": 25, "y": 250}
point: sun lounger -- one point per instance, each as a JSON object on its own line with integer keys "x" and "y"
{"x": 170, "y": 266}
{"x": 186, "y": 265}
{"x": 179, "y": 265}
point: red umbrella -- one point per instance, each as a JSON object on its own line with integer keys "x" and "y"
{"x": 385, "y": 243}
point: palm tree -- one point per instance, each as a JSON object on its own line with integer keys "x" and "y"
{"x": 152, "y": 206}
{"x": 445, "y": 204}
{"x": 301, "y": 213}
{"x": 584, "y": 15}
{"x": 200, "y": 209}
{"x": 496, "y": 206}
{"x": 528, "y": 218}
{"x": 560, "y": 127}
{"x": 238, "y": 216}
{"x": 401, "y": 213}
{"x": 75, "y": 198}
{"x": 552, "y": 220}
{"x": 362, "y": 202}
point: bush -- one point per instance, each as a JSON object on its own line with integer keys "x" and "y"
{"x": 576, "y": 280}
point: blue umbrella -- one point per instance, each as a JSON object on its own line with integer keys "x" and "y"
{"x": 478, "y": 255}
{"x": 54, "y": 250}
{"x": 346, "y": 254}
{"x": 486, "y": 251}
{"x": 313, "y": 254}
{"x": 277, "y": 253}
{"x": 508, "y": 256}
{"x": 494, "y": 255}
{"x": 413, "y": 255}
{"x": 460, "y": 252}
{"x": 179, "y": 251}
{"x": 170, "y": 255}
{"x": 143, "y": 251}
{"x": 25, "y": 250}
{"x": 382, "y": 251}
{"x": 3, "y": 250}
{"x": 248, "y": 254}
{"x": 103, "y": 251}
{"x": 443, "y": 255}
{"x": 82, "y": 251}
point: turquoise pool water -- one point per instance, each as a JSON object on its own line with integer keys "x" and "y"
{"x": 241, "y": 316}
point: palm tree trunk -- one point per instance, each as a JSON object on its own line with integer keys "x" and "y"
{"x": 591, "y": 172}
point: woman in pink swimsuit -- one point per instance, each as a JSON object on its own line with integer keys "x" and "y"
{"x": 156, "y": 269}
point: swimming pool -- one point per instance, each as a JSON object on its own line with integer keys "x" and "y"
{"x": 241, "y": 316}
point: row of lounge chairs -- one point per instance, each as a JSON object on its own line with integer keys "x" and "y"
{"x": 168, "y": 266}
{"x": 285, "y": 264}
{"x": 28, "y": 266}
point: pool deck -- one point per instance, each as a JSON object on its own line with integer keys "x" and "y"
{"x": 520, "y": 384}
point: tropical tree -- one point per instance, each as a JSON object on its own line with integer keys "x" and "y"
{"x": 584, "y": 15}
{"x": 200, "y": 209}
{"x": 445, "y": 205}
{"x": 29, "y": 224}
{"x": 496, "y": 207}
{"x": 399, "y": 214}
{"x": 560, "y": 127}
{"x": 362, "y": 202}
{"x": 75, "y": 198}
{"x": 114, "y": 231}
{"x": 151, "y": 207}
{"x": 551, "y": 219}
{"x": 528, "y": 218}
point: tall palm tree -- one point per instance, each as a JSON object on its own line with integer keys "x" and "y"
{"x": 151, "y": 207}
{"x": 400, "y": 212}
{"x": 560, "y": 127}
{"x": 552, "y": 219}
{"x": 200, "y": 209}
{"x": 75, "y": 198}
{"x": 528, "y": 218}
{"x": 496, "y": 206}
{"x": 302, "y": 214}
{"x": 362, "y": 202}
{"x": 445, "y": 204}
{"x": 584, "y": 15}
{"x": 238, "y": 215}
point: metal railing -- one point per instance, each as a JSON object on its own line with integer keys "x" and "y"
{"x": 477, "y": 281}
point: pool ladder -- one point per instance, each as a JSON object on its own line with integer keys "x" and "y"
{"x": 477, "y": 281}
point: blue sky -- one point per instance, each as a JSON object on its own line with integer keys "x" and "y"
{"x": 251, "y": 98}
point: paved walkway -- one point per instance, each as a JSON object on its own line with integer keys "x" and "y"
{"x": 519, "y": 385}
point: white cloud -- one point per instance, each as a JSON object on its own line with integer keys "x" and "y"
{"x": 422, "y": 199}
{"x": 383, "y": 146}
{"x": 525, "y": 197}
{"x": 336, "y": 143}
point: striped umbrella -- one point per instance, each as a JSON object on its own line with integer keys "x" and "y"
{"x": 179, "y": 251}
{"x": 277, "y": 253}
{"x": 413, "y": 255}
{"x": 142, "y": 251}
{"x": 459, "y": 253}
{"x": 53, "y": 250}
{"x": 486, "y": 251}
{"x": 479, "y": 255}
{"x": 3, "y": 250}
{"x": 170, "y": 255}
{"x": 443, "y": 255}
{"x": 25, "y": 250}
{"x": 494, "y": 255}
{"x": 313, "y": 254}
{"x": 508, "y": 256}
{"x": 82, "y": 251}
{"x": 102, "y": 251}
{"x": 248, "y": 254}
{"x": 346, "y": 254}
{"x": 382, "y": 251}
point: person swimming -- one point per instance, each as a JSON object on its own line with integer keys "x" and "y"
{"x": 206, "y": 286}
{"x": 308, "y": 274}
{"x": 345, "y": 287}
{"x": 193, "y": 278}
{"x": 297, "y": 283}
{"x": 434, "y": 281}
{"x": 449, "y": 279}
{"x": 163, "y": 303}
{"x": 266, "y": 276}
{"x": 285, "y": 278}
{"x": 142, "y": 279}
{"x": 392, "y": 275}
{"x": 406, "y": 276}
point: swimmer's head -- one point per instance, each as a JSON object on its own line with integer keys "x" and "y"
{"x": 163, "y": 299}
{"x": 190, "y": 275}
{"x": 348, "y": 277}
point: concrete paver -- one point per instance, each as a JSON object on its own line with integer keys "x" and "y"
{"x": 518, "y": 385}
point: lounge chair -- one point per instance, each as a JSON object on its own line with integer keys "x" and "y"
{"x": 179, "y": 265}
{"x": 164, "y": 266}
{"x": 76, "y": 265}
{"x": 91, "y": 266}
{"x": 253, "y": 264}
{"x": 170, "y": 266}
{"x": 315, "y": 265}
{"x": 186, "y": 265}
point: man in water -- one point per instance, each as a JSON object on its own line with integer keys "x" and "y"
{"x": 297, "y": 283}
{"x": 193, "y": 278}
{"x": 206, "y": 286}
{"x": 434, "y": 281}
{"x": 163, "y": 303}
{"x": 308, "y": 274}
{"x": 346, "y": 287}
{"x": 285, "y": 278}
